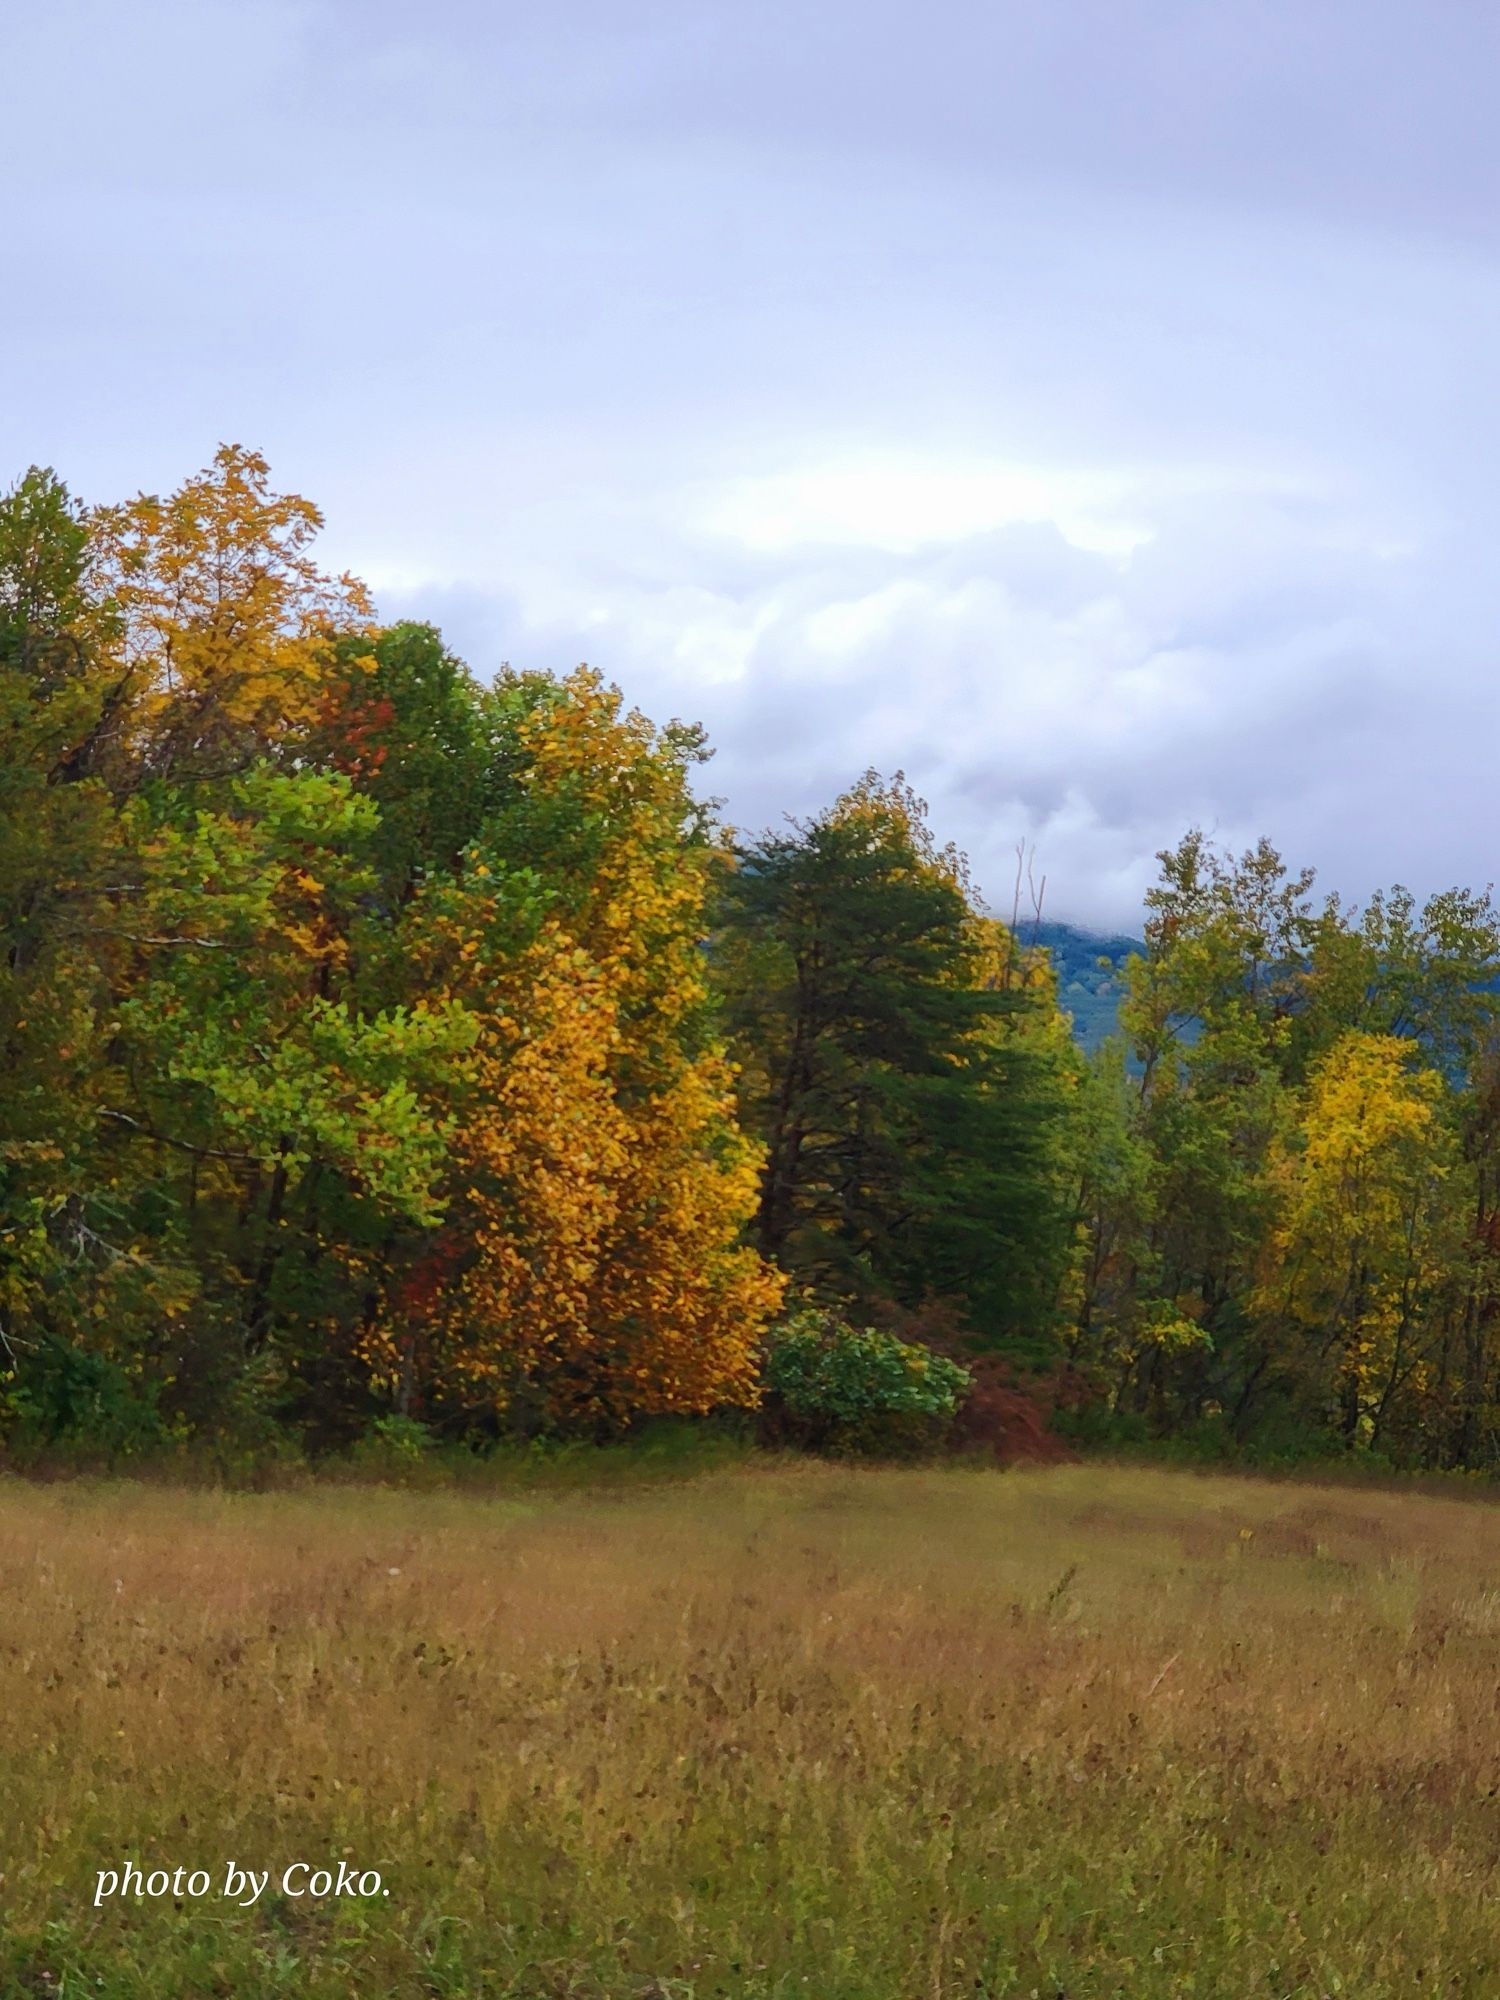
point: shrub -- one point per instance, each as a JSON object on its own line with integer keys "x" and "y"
{"x": 393, "y": 1446}
{"x": 82, "y": 1403}
{"x": 1007, "y": 1411}
{"x": 836, "y": 1387}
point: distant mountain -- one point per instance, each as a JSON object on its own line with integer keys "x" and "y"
{"x": 1090, "y": 991}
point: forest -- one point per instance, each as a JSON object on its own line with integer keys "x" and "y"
{"x": 393, "y": 1053}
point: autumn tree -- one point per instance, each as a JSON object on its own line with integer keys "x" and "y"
{"x": 223, "y": 621}
{"x": 1246, "y": 988}
{"x": 1366, "y": 1230}
{"x": 592, "y": 1269}
{"x": 186, "y": 953}
{"x": 377, "y": 1039}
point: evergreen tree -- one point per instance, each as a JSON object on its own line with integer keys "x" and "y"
{"x": 907, "y": 1122}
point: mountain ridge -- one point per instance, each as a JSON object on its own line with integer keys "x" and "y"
{"x": 1087, "y": 989}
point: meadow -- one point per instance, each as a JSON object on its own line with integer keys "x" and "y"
{"x": 777, "y": 1730}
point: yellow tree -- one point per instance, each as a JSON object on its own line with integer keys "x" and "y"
{"x": 1365, "y": 1228}
{"x": 223, "y": 620}
{"x": 592, "y": 1268}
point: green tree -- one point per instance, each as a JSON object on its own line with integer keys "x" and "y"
{"x": 59, "y": 868}
{"x": 908, "y": 1125}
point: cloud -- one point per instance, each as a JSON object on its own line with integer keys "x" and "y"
{"x": 1090, "y": 410}
{"x": 1261, "y": 663}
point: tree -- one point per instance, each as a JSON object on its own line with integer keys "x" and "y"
{"x": 1211, "y": 1012}
{"x": 592, "y": 1268}
{"x": 1245, "y": 988}
{"x": 907, "y": 1127}
{"x": 57, "y": 861}
{"x": 1366, "y": 1230}
{"x": 223, "y": 623}
{"x": 357, "y": 1013}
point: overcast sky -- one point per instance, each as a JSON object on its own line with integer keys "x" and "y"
{"x": 1089, "y": 407}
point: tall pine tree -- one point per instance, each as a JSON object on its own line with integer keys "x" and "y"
{"x": 906, "y": 1115}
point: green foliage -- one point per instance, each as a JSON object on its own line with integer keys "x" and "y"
{"x": 86, "y": 1404}
{"x": 1295, "y": 1173}
{"x": 857, "y": 1388}
{"x": 1090, "y": 970}
{"x": 394, "y": 1445}
{"x": 378, "y": 1040}
{"x": 888, "y": 1067}
{"x": 329, "y": 979}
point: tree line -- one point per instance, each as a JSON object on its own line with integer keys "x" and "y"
{"x": 381, "y": 1044}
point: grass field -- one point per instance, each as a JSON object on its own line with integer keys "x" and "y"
{"x": 774, "y": 1731}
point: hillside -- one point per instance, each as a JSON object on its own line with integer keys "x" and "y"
{"x": 1088, "y": 988}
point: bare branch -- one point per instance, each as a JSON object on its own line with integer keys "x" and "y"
{"x": 182, "y": 1145}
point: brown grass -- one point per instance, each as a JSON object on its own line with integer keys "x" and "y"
{"x": 860, "y": 1735}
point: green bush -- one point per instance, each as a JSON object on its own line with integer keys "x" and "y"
{"x": 836, "y": 1387}
{"x": 82, "y": 1404}
{"x": 393, "y": 1446}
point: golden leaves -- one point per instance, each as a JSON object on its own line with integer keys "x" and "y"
{"x": 222, "y": 618}
{"x": 603, "y": 1185}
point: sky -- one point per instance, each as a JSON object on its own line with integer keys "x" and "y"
{"x": 1090, "y": 408}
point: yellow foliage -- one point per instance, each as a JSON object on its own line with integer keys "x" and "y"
{"x": 222, "y": 618}
{"x": 594, "y": 1266}
{"x": 1359, "y": 1238}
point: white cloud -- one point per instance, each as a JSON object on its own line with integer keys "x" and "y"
{"x": 885, "y": 501}
{"x": 1250, "y": 667}
{"x": 1091, "y": 410}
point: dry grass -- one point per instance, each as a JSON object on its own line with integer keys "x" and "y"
{"x": 784, "y": 1731}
